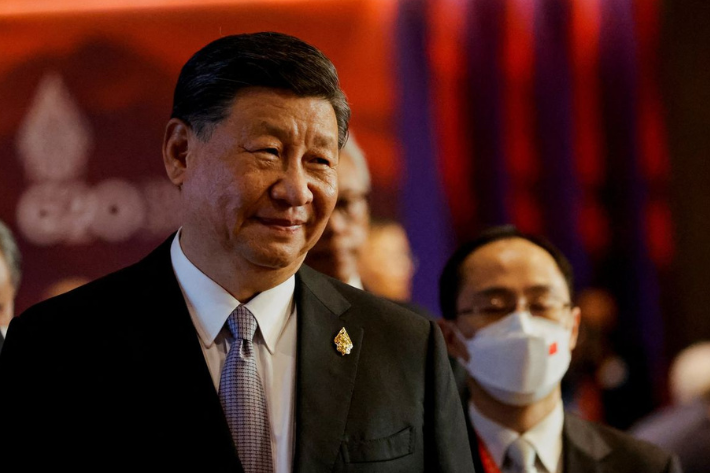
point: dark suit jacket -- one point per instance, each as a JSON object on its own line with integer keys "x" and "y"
{"x": 111, "y": 376}
{"x": 588, "y": 447}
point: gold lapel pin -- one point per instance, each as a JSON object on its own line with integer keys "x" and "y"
{"x": 343, "y": 342}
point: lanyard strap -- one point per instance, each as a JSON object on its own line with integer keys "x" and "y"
{"x": 486, "y": 459}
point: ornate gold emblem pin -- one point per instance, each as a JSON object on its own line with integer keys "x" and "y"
{"x": 343, "y": 342}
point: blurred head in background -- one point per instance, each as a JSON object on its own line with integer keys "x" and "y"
{"x": 10, "y": 274}
{"x": 339, "y": 248}
{"x": 386, "y": 264}
{"x": 689, "y": 376}
{"x": 64, "y": 285}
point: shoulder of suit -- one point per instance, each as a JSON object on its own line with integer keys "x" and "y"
{"x": 646, "y": 456}
{"x": 114, "y": 292}
{"x": 366, "y": 305}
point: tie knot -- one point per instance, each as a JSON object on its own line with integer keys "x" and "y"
{"x": 522, "y": 454}
{"x": 242, "y": 323}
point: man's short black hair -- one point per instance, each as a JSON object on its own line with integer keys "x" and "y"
{"x": 211, "y": 78}
{"x": 451, "y": 277}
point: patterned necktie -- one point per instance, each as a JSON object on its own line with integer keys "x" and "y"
{"x": 242, "y": 396}
{"x": 522, "y": 456}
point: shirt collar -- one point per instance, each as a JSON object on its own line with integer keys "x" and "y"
{"x": 210, "y": 304}
{"x": 545, "y": 436}
{"x": 495, "y": 437}
{"x": 272, "y": 308}
{"x": 355, "y": 281}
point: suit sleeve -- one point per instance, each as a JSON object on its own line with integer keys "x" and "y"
{"x": 20, "y": 392}
{"x": 448, "y": 449}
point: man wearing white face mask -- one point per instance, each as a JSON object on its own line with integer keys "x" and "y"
{"x": 510, "y": 321}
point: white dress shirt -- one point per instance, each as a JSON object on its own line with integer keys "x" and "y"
{"x": 546, "y": 437}
{"x": 275, "y": 342}
{"x": 355, "y": 281}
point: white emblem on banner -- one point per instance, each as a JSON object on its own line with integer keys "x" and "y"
{"x": 56, "y": 212}
{"x": 120, "y": 211}
{"x": 59, "y": 207}
{"x": 54, "y": 137}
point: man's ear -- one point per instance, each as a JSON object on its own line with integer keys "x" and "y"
{"x": 576, "y": 318}
{"x": 454, "y": 345}
{"x": 175, "y": 149}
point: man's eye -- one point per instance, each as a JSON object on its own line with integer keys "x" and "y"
{"x": 494, "y": 310}
{"x": 266, "y": 152}
{"x": 321, "y": 161}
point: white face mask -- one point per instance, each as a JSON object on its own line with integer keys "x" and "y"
{"x": 519, "y": 359}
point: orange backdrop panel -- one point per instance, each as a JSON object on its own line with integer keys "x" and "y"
{"x": 118, "y": 68}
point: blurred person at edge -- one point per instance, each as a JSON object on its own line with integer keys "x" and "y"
{"x": 684, "y": 426}
{"x": 64, "y": 285}
{"x": 386, "y": 264}
{"x": 10, "y": 274}
{"x": 509, "y": 318}
{"x": 339, "y": 248}
{"x": 339, "y": 251}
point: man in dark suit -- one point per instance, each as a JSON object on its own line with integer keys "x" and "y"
{"x": 683, "y": 426}
{"x": 10, "y": 274}
{"x": 510, "y": 321}
{"x": 219, "y": 351}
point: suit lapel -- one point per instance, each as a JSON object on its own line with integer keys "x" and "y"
{"x": 584, "y": 449}
{"x": 325, "y": 378}
{"x": 186, "y": 376}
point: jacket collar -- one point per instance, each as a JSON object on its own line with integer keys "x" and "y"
{"x": 165, "y": 317}
{"x": 583, "y": 447}
{"x": 325, "y": 379}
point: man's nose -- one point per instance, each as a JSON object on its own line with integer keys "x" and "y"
{"x": 292, "y": 186}
{"x": 521, "y": 305}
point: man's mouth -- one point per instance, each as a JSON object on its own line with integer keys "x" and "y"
{"x": 284, "y": 224}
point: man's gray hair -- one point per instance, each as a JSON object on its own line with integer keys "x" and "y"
{"x": 358, "y": 156}
{"x": 9, "y": 251}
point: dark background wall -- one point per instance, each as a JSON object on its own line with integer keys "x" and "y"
{"x": 685, "y": 53}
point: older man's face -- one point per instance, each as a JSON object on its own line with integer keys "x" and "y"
{"x": 7, "y": 294}
{"x": 260, "y": 190}
{"x": 336, "y": 253}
